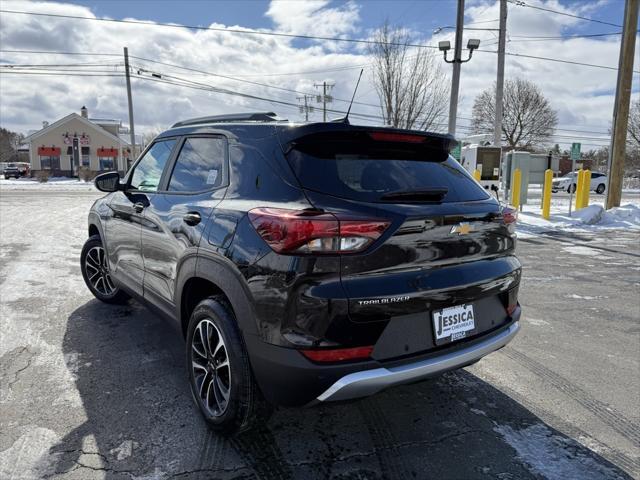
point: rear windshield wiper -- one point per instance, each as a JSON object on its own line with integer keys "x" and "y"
{"x": 432, "y": 195}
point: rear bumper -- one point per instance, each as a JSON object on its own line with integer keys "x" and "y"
{"x": 288, "y": 378}
{"x": 361, "y": 384}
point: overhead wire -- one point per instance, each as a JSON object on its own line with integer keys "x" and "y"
{"x": 289, "y": 35}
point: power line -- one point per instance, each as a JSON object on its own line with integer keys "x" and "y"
{"x": 595, "y": 20}
{"x": 63, "y": 53}
{"x": 289, "y": 35}
{"x": 53, "y": 68}
{"x": 217, "y": 29}
{"x": 325, "y": 70}
{"x": 558, "y": 60}
{"x": 527, "y": 38}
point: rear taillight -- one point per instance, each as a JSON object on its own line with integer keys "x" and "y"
{"x": 510, "y": 300}
{"x": 509, "y": 215}
{"x": 311, "y": 232}
{"x": 338, "y": 355}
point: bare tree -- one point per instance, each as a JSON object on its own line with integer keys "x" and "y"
{"x": 528, "y": 119}
{"x": 149, "y": 135}
{"x": 632, "y": 161}
{"x": 633, "y": 128}
{"x": 412, "y": 88}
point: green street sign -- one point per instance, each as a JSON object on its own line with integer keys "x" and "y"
{"x": 575, "y": 151}
{"x": 455, "y": 153}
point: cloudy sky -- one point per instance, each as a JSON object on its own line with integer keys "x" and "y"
{"x": 279, "y": 69}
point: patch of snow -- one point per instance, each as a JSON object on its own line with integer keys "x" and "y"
{"x": 585, "y": 297}
{"x": 54, "y": 183}
{"x": 591, "y": 218}
{"x": 537, "y": 322}
{"x": 553, "y": 456}
{"x": 580, "y": 250}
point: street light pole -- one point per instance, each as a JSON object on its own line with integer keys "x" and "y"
{"x": 457, "y": 62}
{"x": 497, "y": 127}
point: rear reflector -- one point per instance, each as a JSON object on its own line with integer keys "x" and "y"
{"x": 397, "y": 137}
{"x": 338, "y": 355}
{"x": 309, "y": 232}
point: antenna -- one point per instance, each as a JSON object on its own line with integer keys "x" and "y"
{"x": 346, "y": 118}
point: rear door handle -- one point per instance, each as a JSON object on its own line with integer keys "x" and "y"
{"x": 192, "y": 218}
{"x": 138, "y": 207}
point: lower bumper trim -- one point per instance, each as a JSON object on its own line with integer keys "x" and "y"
{"x": 368, "y": 382}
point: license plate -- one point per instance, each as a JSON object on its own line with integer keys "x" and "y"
{"x": 453, "y": 323}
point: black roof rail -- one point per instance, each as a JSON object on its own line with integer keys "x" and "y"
{"x": 234, "y": 117}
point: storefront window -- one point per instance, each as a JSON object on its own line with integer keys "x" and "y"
{"x": 86, "y": 156}
{"x": 107, "y": 163}
{"x": 49, "y": 162}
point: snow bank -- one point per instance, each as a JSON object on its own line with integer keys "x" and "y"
{"x": 54, "y": 183}
{"x": 588, "y": 218}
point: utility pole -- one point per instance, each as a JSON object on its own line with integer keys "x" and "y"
{"x": 621, "y": 107}
{"x": 457, "y": 62}
{"x": 324, "y": 98}
{"x": 497, "y": 128}
{"x": 131, "y": 129}
{"x": 306, "y": 108}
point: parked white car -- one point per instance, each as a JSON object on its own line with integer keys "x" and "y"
{"x": 568, "y": 182}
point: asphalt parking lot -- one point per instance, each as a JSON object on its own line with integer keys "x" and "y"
{"x": 91, "y": 391}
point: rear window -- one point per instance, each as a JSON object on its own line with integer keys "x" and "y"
{"x": 366, "y": 172}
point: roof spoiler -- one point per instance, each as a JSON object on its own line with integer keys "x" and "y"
{"x": 235, "y": 117}
{"x": 310, "y": 132}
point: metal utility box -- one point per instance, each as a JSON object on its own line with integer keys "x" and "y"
{"x": 512, "y": 161}
{"x": 538, "y": 164}
{"x": 485, "y": 159}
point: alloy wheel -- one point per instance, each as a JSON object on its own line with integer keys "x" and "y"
{"x": 97, "y": 270}
{"x": 211, "y": 369}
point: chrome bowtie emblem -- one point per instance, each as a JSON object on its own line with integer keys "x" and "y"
{"x": 461, "y": 228}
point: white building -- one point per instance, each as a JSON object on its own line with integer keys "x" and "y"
{"x": 76, "y": 141}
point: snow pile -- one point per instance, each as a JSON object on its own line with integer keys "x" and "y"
{"x": 54, "y": 183}
{"x": 588, "y": 218}
{"x": 590, "y": 215}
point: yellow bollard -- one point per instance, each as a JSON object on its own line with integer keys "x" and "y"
{"x": 586, "y": 187}
{"x": 476, "y": 174}
{"x": 515, "y": 188}
{"x": 546, "y": 194}
{"x": 579, "y": 189}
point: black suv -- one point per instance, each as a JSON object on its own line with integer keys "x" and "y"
{"x": 306, "y": 263}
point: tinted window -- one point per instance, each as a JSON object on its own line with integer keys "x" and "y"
{"x": 199, "y": 165}
{"x": 369, "y": 175}
{"x": 148, "y": 171}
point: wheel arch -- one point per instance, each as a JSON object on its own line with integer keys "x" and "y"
{"x": 95, "y": 227}
{"x": 204, "y": 276}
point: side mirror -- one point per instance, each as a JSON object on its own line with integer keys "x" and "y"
{"x": 108, "y": 182}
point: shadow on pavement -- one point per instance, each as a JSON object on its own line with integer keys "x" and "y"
{"x": 141, "y": 422}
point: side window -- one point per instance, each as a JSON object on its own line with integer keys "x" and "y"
{"x": 148, "y": 171}
{"x": 199, "y": 165}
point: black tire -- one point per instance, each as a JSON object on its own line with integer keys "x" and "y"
{"x": 571, "y": 188}
{"x": 244, "y": 407}
{"x": 94, "y": 266}
{"x": 600, "y": 188}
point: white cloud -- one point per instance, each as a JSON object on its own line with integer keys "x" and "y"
{"x": 313, "y": 17}
{"x": 583, "y": 96}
